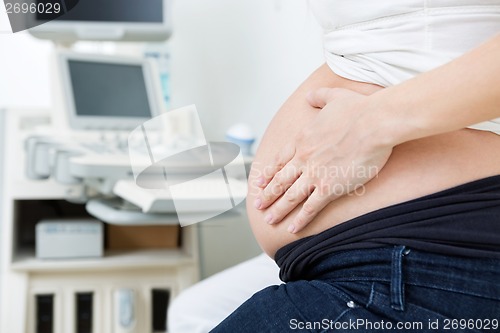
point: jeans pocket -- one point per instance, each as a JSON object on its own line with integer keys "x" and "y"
{"x": 331, "y": 306}
{"x": 416, "y": 317}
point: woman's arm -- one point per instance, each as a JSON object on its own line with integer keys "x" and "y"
{"x": 441, "y": 100}
{"x": 326, "y": 161}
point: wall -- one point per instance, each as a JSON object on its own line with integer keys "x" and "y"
{"x": 239, "y": 60}
{"x": 24, "y": 69}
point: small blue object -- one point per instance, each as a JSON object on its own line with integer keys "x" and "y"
{"x": 242, "y": 135}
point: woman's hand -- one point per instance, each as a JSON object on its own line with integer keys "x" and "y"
{"x": 333, "y": 156}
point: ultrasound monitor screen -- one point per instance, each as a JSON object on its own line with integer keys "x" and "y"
{"x": 109, "y": 90}
{"x": 131, "y": 11}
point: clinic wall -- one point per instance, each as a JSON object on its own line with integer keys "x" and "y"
{"x": 237, "y": 60}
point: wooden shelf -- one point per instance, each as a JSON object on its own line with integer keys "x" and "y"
{"x": 112, "y": 260}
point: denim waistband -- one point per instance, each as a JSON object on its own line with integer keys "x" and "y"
{"x": 398, "y": 265}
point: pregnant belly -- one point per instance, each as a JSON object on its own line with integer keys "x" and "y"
{"x": 415, "y": 168}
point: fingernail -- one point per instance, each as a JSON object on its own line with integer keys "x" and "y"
{"x": 268, "y": 218}
{"x": 257, "y": 203}
{"x": 291, "y": 228}
{"x": 260, "y": 181}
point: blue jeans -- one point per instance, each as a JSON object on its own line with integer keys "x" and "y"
{"x": 379, "y": 290}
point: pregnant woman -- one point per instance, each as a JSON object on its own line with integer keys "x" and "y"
{"x": 376, "y": 188}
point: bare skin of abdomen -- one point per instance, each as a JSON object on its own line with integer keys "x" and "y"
{"x": 415, "y": 168}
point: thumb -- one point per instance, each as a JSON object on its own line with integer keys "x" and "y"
{"x": 322, "y": 96}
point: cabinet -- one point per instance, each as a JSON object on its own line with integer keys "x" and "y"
{"x": 77, "y": 295}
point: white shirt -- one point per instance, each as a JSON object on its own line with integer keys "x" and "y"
{"x": 386, "y": 42}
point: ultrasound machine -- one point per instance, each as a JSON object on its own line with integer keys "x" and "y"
{"x": 105, "y": 99}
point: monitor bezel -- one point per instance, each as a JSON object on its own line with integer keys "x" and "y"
{"x": 73, "y": 31}
{"x": 107, "y": 123}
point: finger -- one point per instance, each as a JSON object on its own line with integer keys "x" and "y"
{"x": 310, "y": 209}
{"x": 320, "y": 97}
{"x": 279, "y": 184}
{"x": 280, "y": 160}
{"x": 296, "y": 194}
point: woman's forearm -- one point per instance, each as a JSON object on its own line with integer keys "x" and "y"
{"x": 461, "y": 93}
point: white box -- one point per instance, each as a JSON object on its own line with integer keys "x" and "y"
{"x": 80, "y": 238}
